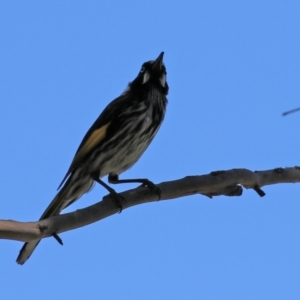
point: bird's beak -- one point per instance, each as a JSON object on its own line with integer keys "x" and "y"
{"x": 158, "y": 62}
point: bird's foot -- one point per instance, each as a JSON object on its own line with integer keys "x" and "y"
{"x": 119, "y": 200}
{"x": 151, "y": 186}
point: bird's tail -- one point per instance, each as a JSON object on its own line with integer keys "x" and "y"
{"x": 70, "y": 192}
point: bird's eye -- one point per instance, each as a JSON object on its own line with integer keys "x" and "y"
{"x": 142, "y": 70}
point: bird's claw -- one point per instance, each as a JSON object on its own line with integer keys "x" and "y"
{"x": 119, "y": 200}
{"x": 150, "y": 185}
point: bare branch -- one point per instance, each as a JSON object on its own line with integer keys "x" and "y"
{"x": 228, "y": 183}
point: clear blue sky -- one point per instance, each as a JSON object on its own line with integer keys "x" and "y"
{"x": 233, "y": 68}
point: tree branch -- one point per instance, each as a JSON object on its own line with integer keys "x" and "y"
{"x": 291, "y": 111}
{"x": 228, "y": 183}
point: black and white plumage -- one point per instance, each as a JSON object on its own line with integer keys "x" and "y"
{"x": 115, "y": 141}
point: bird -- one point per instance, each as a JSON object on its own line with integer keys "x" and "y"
{"x": 114, "y": 143}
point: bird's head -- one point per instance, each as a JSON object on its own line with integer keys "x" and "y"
{"x": 153, "y": 73}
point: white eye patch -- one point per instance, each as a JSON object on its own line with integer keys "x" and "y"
{"x": 146, "y": 77}
{"x": 162, "y": 80}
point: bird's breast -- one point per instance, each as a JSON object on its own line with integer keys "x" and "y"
{"x": 134, "y": 139}
{"x": 118, "y": 152}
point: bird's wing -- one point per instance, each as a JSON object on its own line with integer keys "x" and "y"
{"x": 96, "y": 133}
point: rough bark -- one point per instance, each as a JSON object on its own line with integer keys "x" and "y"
{"x": 227, "y": 183}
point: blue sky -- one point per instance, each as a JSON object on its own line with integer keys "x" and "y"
{"x": 233, "y": 68}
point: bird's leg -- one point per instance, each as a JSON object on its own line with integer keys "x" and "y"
{"x": 117, "y": 197}
{"x": 114, "y": 179}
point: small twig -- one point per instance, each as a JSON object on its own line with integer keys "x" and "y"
{"x": 259, "y": 191}
{"x": 291, "y": 111}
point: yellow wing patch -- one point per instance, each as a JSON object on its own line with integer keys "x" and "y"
{"x": 97, "y": 136}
